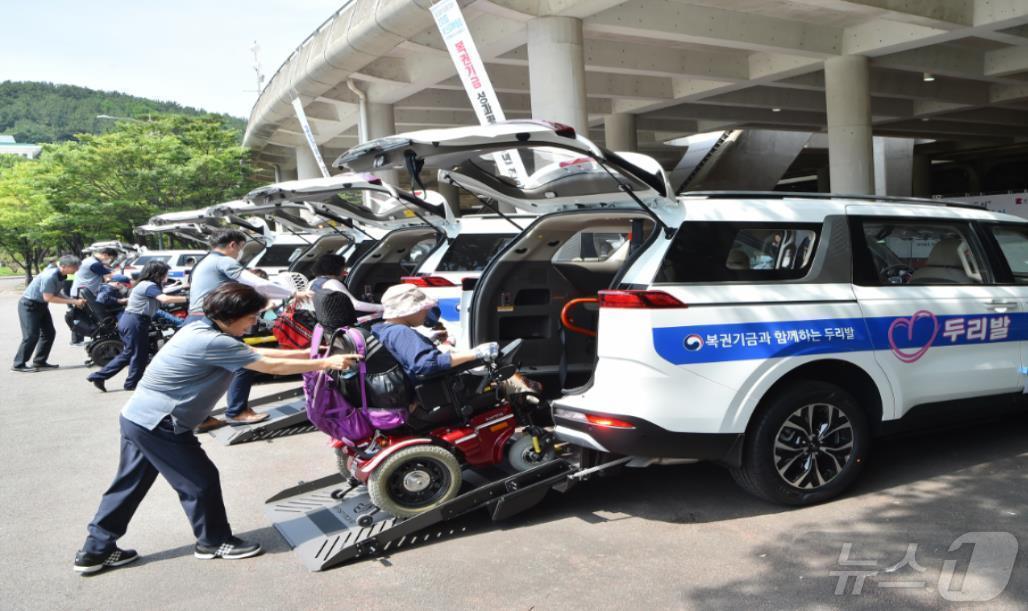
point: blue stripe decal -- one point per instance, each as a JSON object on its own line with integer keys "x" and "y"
{"x": 909, "y": 338}
{"x": 449, "y": 309}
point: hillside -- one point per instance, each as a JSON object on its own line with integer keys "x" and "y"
{"x": 45, "y": 112}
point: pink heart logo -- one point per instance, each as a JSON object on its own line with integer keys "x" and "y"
{"x": 910, "y": 357}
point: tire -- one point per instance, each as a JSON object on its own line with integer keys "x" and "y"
{"x": 103, "y": 351}
{"x": 521, "y": 456}
{"x": 817, "y": 469}
{"x": 415, "y": 480}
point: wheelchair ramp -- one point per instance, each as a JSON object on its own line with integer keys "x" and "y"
{"x": 319, "y": 519}
{"x": 287, "y": 416}
{"x": 738, "y": 160}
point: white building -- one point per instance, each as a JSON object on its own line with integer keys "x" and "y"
{"x": 8, "y": 146}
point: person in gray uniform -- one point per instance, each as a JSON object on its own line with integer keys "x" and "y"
{"x": 220, "y": 266}
{"x": 134, "y": 326}
{"x": 37, "y": 326}
{"x": 94, "y": 271}
{"x": 178, "y": 391}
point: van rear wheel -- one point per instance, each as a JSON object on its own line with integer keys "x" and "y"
{"x": 808, "y": 446}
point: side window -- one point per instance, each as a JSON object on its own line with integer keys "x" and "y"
{"x": 589, "y": 246}
{"x": 740, "y": 252}
{"x": 922, "y": 252}
{"x": 416, "y": 255}
{"x": 1013, "y": 241}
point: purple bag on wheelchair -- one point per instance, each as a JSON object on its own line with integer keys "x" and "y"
{"x": 327, "y": 408}
{"x": 380, "y": 418}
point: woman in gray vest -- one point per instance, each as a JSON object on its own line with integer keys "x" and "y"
{"x": 134, "y": 326}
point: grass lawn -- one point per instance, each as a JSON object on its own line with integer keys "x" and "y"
{"x": 6, "y": 271}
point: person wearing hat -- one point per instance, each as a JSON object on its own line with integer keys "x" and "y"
{"x": 113, "y": 295}
{"x": 134, "y": 326}
{"x": 405, "y": 306}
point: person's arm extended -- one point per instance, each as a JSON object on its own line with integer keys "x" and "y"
{"x": 265, "y": 287}
{"x": 171, "y": 298}
{"x": 291, "y": 366}
{"x": 488, "y": 350}
{"x": 279, "y": 353}
{"x": 54, "y": 298}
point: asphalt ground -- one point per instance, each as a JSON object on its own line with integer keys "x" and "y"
{"x": 664, "y": 537}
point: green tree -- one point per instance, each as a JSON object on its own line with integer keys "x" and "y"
{"x": 23, "y": 237}
{"x": 102, "y": 186}
{"x": 105, "y": 185}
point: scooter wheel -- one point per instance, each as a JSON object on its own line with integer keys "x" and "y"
{"x": 521, "y": 456}
{"x": 103, "y": 351}
{"x": 415, "y": 480}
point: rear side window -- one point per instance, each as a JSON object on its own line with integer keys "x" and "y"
{"x": 590, "y": 246}
{"x": 921, "y": 252}
{"x": 471, "y": 252}
{"x": 704, "y": 252}
{"x": 281, "y": 255}
{"x": 141, "y": 261}
{"x": 1013, "y": 241}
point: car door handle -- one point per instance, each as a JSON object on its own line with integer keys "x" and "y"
{"x": 1000, "y": 305}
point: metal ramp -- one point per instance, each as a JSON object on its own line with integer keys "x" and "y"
{"x": 287, "y": 416}
{"x": 328, "y": 523}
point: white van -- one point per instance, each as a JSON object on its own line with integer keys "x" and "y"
{"x": 773, "y": 333}
{"x": 391, "y": 231}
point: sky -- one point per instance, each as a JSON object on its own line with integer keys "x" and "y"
{"x": 193, "y": 52}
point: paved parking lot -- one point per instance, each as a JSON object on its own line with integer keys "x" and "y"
{"x": 681, "y": 536}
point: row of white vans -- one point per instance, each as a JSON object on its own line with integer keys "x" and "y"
{"x": 773, "y": 333}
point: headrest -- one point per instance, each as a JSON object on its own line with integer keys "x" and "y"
{"x": 945, "y": 253}
{"x": 334, "y": 310}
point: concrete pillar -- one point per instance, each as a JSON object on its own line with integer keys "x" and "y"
{"x": 619, "y": 132}
{"x": 556, "y": 71}
{"x": 848, "y": 101}
{"x": 921, "y": 176}
{"x": 306, "y": 164}
{"x": 382, "y": 123}
{"x": 894, "y": 166}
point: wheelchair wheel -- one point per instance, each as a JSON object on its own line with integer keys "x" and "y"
{"x": 414, "y": 480}
{"x": 521, "y": 455}
{"x": 103, "y": 351}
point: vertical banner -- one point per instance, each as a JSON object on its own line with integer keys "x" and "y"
{"x": 306, "y": 127}
{"x": 454, "y": 30}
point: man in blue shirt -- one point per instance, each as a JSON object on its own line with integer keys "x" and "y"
{"x": 37, "y": 326}
{"x": 177, "y": 393}
{"x": 217, "y": 268}
{"x": 405, "y": 307}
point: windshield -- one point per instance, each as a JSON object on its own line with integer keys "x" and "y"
{"x": 471, "y": 252}
{"x": 281, "y": 255}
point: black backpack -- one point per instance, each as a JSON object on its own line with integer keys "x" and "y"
{"x": 386, "y": 383}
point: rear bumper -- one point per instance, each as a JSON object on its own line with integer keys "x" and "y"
{"x": 651, "y": 441}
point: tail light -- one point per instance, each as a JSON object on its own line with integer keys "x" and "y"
{"x": 641, "y": 300}
{"x": 608, "y": 422}
{"x": 426, "y": 281}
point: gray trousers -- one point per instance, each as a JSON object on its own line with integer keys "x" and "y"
{"x": 37, "y": 332}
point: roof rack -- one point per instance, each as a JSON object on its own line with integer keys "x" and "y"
{"x": 809, "y": 195}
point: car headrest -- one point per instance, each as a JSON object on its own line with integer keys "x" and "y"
{"x": 945, "y": 253}
{"x": 737, "y": 260}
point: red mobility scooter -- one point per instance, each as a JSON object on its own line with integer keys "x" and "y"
{"x": 474, "y": 417}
